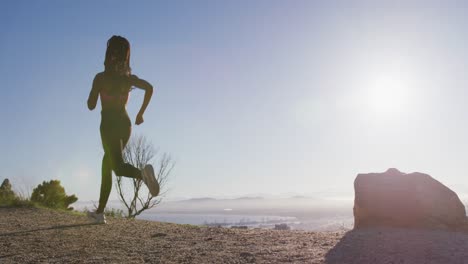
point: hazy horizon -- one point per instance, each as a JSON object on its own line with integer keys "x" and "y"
{"x": 270, "y": 97}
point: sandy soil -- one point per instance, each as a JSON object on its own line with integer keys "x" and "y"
{"x": 29, "y": 235}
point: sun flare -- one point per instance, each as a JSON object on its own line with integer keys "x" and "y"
{"x": 388, "y": 93}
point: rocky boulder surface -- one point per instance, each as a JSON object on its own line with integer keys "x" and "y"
{"x": 396, "y": 199}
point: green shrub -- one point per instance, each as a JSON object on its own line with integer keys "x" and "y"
{"x": 7, "y": 196}
{"x": 52, "y": 195}
{"x": 21, "y": 202}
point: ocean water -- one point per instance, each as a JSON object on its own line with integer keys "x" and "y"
{"x": 331, "y": 223}
{"x": 226, "y": 220}
{"x": 299, "y": 214}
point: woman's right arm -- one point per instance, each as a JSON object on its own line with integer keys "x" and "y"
{"x": 94, "y": 94}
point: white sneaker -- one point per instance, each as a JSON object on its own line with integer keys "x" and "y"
{"x": 97, "y": 218}
{"x": 149, "y": 179}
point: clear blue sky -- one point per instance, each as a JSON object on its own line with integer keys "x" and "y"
{"x": 251, "y": 96}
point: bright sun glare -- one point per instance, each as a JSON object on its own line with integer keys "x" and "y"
{"x": 387, "y": 87}
{"x": 388, "y": 93}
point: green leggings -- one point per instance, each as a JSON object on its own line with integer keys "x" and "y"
{"x": 115, "y": 133}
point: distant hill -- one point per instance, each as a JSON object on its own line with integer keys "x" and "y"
{"x": 203, "y": 199}
{"x": 210, "y": 199}
{"x": 248, "y": 198}
{"x": 299, "y": 197}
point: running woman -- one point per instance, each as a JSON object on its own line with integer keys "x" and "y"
{"x": 113, "y": 87}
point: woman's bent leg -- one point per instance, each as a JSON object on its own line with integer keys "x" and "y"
{"x": 118, "y": 164}
{"x": 115, "y": 145}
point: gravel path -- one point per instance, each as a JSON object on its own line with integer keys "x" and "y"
{"x": 29, "y": 235}
{"x": 39, "y": 235}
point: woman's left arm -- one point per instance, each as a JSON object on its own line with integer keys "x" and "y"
{"x": 142, "y": 84}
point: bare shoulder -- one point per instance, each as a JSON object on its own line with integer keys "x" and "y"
{"x": 99, "y": 76}
{"x": 99, "y": 80}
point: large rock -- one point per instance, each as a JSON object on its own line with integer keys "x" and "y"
{"x": 398, "y": 199}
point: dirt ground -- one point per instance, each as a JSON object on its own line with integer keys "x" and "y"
{"x": 30, "y": 235}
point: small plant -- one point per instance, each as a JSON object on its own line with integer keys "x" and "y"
{"x": 7, "y": 196}
{"x": 52, "y": 195}
{"x": 114, "y": 213}
{"x": 108, "y": 212}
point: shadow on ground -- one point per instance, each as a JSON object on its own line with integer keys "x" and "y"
{"x": 398, "y": 245}
{"x": 58, "y": 227}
